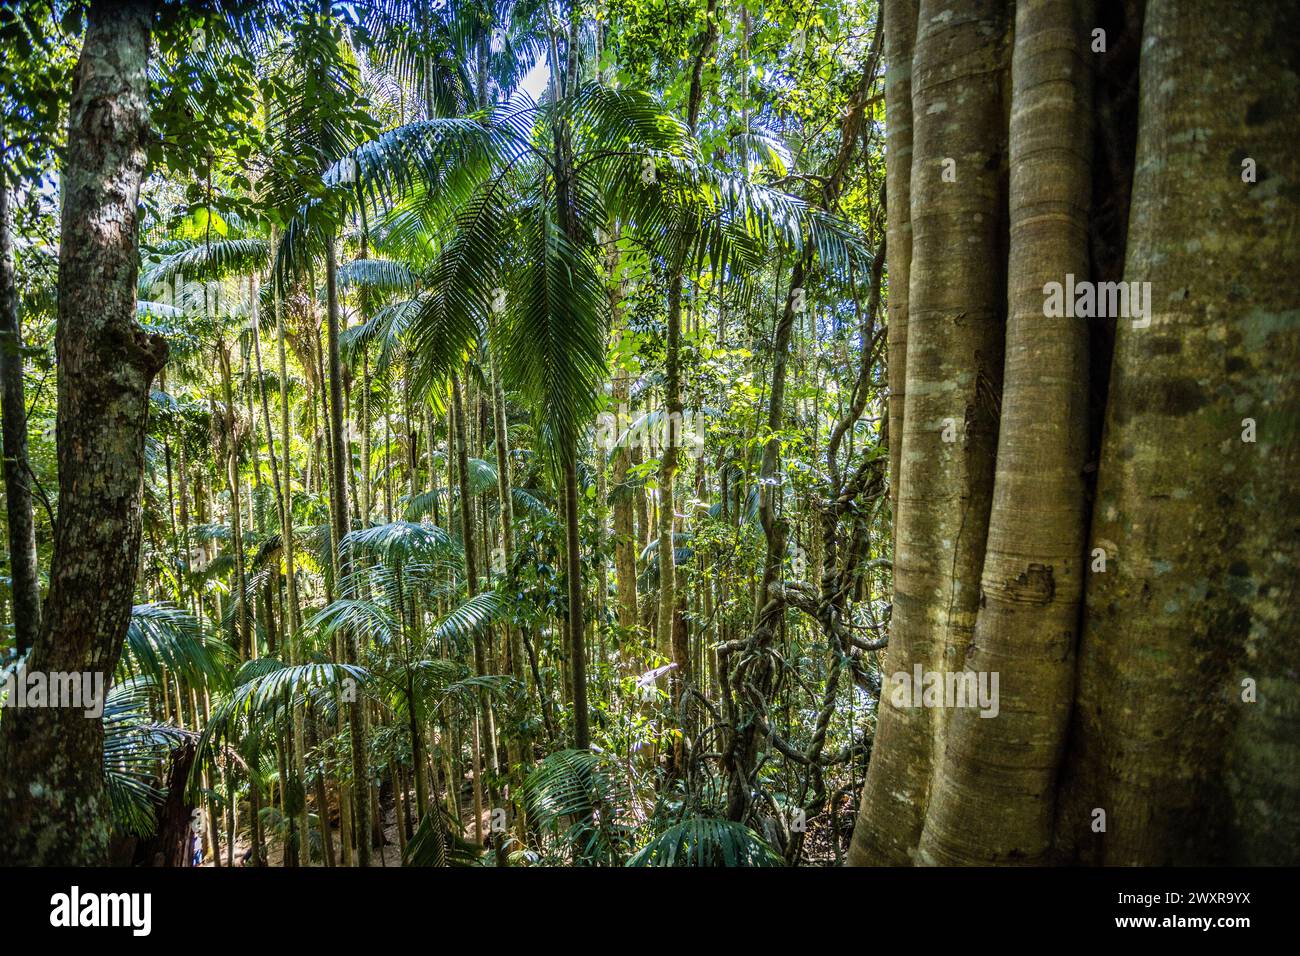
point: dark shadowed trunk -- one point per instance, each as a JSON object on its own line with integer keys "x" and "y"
{"x": 18, "y": 492}
{"x": 169, "y": 844}
{"x": 574, "y": 620}
{"x": 461, "y": 455}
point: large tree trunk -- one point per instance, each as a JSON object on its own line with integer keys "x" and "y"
{"x": 1184, "y": 743}
{"x": 52, "y": 804}
{"x": 955, "y": 325}
{"x": 1198, "y": 525}
{"x": 994, "y": 802}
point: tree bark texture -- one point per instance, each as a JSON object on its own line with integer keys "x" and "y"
{"x": 52, "y": 804}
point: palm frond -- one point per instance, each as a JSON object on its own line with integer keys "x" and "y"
{"x": 578, "y": 796}
{"x": 380, "y": 275}
{"x": 554, "y": 336}
{"x": 134, "y": 748}
{"x": 406, "y": 541}
{"x": 162, "y": 638}
{"x": 702, "y": 841}
{"x": 472, "y": 616}
{"x": 435, "y": 842}
{"x": 199, "y": 260}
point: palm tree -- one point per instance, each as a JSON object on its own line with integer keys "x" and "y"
{"x": 318, "y": 121}
{"x": 495, "y": 226}
{"x": 458, "y": 56}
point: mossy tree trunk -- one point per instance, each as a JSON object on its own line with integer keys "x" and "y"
{"x": 52, "y": 803}
{"x": 1189, "y": 762}
{"x": 1175, "y": 739}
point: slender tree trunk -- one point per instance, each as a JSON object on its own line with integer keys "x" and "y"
{"x": 18, "y": 493}
{"x": 519, "y": 752}
{"x": 212, "y": 830}
{"x": 339, "y": 498}
{"x": 994, "y": 803}
{"x": 955, "y": 321}
{"x": 671, "y": 629}
{"x": 561, "y": 85}
{"x": 750, "y": 673}
{"x": 417, "y": 752}
{"x": 293, "y": 797}
{"x": 574, "y": 619}
{"x": 668, "y": 475}
{"x": 295, "y": 655}
{"x": 52, "y": 803}
{"x": 471, "y": 577}
{"x": 256, "y": 335}
{"x": 514, "y": 636}
{"x": 367, "y": 491}
{"x": 644, "y": 535}
{"x": 900, "y": 38}
{"x": 624, "y": 494}
{"x": 322, "y": 796}
{"x": 753, "y": 676}
{"x": 625, "y": 546}
{"x": 243, "y": 619}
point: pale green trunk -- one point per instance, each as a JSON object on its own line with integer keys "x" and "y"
{"x": 994, "y": 801}
{"x": 1197, "y": 524}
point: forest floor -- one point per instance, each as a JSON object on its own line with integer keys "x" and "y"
{"x": 819, "y": 843}
{"x": 389, "y": 855}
